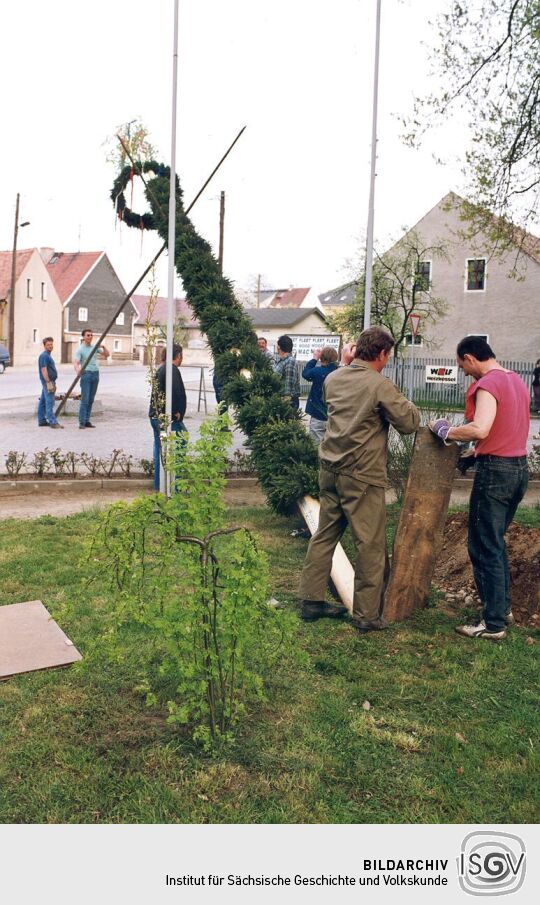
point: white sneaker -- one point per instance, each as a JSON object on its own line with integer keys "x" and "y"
{"x": 480, "y": 631}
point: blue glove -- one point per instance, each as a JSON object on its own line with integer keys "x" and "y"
{"x": 440, "y": 428}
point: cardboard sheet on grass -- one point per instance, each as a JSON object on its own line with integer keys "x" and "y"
{"x": 30, "y": 639}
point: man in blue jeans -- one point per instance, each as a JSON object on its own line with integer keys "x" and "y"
{"x": 499, "y": 426}
{"x": 156, "y": 412}
{"x": 47, "y": 375}
{"x": 89, "y": 377}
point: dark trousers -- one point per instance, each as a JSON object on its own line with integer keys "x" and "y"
{"x": 499, "y": 486}
{"x": 156, "y": 428}
{"x": 89, "y": 385}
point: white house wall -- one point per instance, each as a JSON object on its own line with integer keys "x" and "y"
{"x": 36, "y": 318}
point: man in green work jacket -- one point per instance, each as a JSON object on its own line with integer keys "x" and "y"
{"x": 361, "y": 406}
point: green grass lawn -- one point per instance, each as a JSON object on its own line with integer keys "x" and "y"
{"x": 450, "y": 736}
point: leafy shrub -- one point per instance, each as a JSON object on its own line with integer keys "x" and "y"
{"x": 15, "y": 461}
{"x": 187, "y": 596}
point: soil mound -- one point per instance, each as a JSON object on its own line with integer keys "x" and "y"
{"x": 454, "y": 577}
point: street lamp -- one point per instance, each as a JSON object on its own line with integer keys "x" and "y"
{"x": 13, "y": 281}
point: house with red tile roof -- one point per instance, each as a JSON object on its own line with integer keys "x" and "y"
{"x": 293, "y": 297}
{"x": 37, "y": 307}
{"x": 90, "y": 293}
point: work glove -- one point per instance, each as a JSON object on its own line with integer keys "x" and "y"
{"x": 51, "y": 386}
{"x": 440, "y": 427}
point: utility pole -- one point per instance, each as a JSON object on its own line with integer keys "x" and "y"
{"x": 11, "y": 339}
{"x": 221, "y": 230}
{"x": 258, "y": 290}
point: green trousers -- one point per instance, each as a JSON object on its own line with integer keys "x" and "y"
{"x": 347, "y": 501}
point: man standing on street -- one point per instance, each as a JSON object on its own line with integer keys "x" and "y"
{"x": 498, "y": 402}
{"x": 89, "y": 377}
{"x": 156, "y": 412}
{"x": 362, "y": 404}
{"x": 286, "y": 367}
{"x": 47, "y": 375}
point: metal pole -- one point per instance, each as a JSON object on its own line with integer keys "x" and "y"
{"x": 371, "y": 208}
{"x": 171, "y": 241}
{"x": 13, "y": 282}
{"x": 411, "y": 369}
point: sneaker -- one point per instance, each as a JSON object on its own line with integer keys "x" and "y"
{"x": 362, "y": 626}
{"x": 43, "y": 423}
{"x": 319, "y": 609}
{"x": 89, "y": 424}
{"x": 510, "y": 619}
{"x": 57, "y": 426}
{"x": 82, "y": 427}
{"x": 480, "y": 631}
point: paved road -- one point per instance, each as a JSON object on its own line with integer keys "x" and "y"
{"x": 122, "y": 422}
{"x": 121, "y": 417}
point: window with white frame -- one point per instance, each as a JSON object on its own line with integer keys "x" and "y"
{"x": 408, "y": 340}
{"x": 422, "y": 277}
{"x": 480, "y": 336}
{"x": 83, "y": 314}
{"x": 120, "y": 320}
{"x": 44, "y": 292}
{"x": 117, "y": 347}
{"x": 35, "y": 335}
{"x": 29, "y": 288}
{"x": 476, "y": 274}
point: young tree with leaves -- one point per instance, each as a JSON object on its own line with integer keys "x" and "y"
{"x": 487, "y": 59}
{"x": 401, "y": 285}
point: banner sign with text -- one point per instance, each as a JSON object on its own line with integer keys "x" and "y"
{"x": 303, "y": 345}
{"x": 441, "y": 374}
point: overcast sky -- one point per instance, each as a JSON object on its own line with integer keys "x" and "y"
{"x": 297, "y": 73}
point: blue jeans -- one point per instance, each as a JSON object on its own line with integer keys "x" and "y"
{"x": 45, "y": 410}
{"x": 499, "y": 486}
{"x": 156, "y": 427}
{"x": 89, "y": 385}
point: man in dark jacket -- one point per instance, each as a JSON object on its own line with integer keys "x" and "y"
{"x": 156, "y": 411}
{"x": 316, "y": 371}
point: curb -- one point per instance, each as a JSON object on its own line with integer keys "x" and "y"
{"x": 74, "y": 485}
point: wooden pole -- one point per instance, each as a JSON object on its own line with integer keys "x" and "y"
{"x": 13, "y": 283}
{"x": 419, "y": 534}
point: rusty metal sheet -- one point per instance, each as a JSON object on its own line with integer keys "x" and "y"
{"x": 30, "y": 640}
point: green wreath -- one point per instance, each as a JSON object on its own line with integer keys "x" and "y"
{"x": 284, "y": 455}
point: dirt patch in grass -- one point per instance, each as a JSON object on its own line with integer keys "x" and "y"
{"x": 453, "y": 574}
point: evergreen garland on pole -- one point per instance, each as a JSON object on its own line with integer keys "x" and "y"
{"x": 284, "y": 455}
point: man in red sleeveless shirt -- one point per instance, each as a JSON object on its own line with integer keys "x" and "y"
{"x": 498, "y": 415}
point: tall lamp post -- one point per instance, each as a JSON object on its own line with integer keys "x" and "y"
{"x": 13, "y": 281}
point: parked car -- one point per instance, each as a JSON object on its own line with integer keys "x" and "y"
{"x": 4, "y": 359}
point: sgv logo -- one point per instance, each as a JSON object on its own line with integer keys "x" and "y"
{"x": 491, "y": 864}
